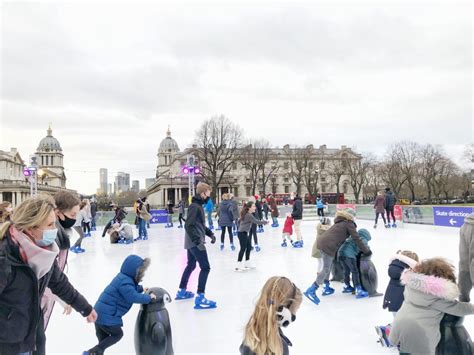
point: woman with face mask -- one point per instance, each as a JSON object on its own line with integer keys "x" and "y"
{"x": 28, "y": 265}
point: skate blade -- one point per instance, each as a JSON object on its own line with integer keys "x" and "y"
{"x": 311, "y": 299}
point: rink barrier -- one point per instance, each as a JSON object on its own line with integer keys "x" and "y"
{"x": 449, "y": 216}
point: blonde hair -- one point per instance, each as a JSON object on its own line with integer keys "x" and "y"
{"x": 202, "y": 187}
{"x": 4, "y": 214}
{"x": 31, "y": 213}
{"x": 410, "y": 254}
{"x": 261, "y": 332}
{"x": 225, "y": 196}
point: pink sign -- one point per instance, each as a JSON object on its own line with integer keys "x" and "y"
{"x": 345, "y": 205}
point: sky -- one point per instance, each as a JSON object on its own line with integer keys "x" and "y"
{"x": 111, "y": 77}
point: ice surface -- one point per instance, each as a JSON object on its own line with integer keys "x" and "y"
{"x": 340, "y": 324}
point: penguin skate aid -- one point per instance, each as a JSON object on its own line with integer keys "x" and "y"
{"x": 195, "y": 245}
{"x": 152, "y": 327}
{"x": 328, "y": 244}
{"x": 117, "y": 299}
{"x": 275, "y": 309}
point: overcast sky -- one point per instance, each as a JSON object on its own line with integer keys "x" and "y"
{"x": 111, "y": 77}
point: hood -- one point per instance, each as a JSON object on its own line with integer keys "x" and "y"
{"x": 469, "y": 219}
{"x": 390, "y": 193}
{"x": 343, "y": 215}
{"x": 429, "y": 286}
{"x": 198, "y": 199}
{"x": 404, "y": 259}
{"x": 364, "y": 234}
{"x": 226, "y": 203}
{"x": 131, "y": 265}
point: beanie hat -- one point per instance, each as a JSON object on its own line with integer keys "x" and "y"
{"x": 256, "y": 197}
{"x": 364, "y": 234}
{"x": 351, "y": 211}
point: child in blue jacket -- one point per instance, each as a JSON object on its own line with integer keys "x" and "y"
{"x": 116, "y": 300}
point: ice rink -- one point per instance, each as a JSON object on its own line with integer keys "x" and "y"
{"x": 341, "y": 324}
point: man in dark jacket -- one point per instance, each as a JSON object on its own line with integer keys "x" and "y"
{"x": 297, "y": 215}
{"x": 194, "y": 243}
{"x": 93, "y": 214}
{"x": 329, "y": 243}
{"x": 259, "y": 212}
{"x": 390, "y": 201}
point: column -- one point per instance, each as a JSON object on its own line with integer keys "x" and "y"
{"x": 14, "y": 202}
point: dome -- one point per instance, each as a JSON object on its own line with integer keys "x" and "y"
{"x": 49, "y": 143}
{"x": 168, "y": 143}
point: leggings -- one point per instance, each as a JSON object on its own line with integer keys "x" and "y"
{"x": 86, "y": 227}
{"x": 321, "y": 212}
{"x": 390, "y": 212}
{"x": 253, "y": 232}
{"x": 377, "y": 217}
{"x": 245, "y": 245}
{"x": 323, "y": 275}
{"x": 108, "y": 336}
{"x": 231, "y": 237}
{"x": 81, "y": 236}
{"x": 181, "y": 219}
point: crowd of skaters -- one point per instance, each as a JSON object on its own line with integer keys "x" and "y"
{"x": 37, "y": 236}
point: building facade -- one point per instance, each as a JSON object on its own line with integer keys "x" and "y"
{"x": 122, "y": 182}
{"x": 136, "y": 186}
{"x": 172, "y": 184}
{"x": 103, "y": 181}
{"x": 15, "y": 187}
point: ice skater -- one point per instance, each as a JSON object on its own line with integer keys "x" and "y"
{"x": 226, "y": 219}
{"x": 259, "y": 212}
{"x": 430, "y": 292}
{"x": 347, "y": 254}
{"x": 181, "y": 213}
{"x": 276, "y": 307}
{"x": 170, "y": 211}
{"x": 329, "y": 244}
{"x": 297, "y": 215}
{"x": 323, "y": 225}
{"x": 320, "y": 205}
{"x": 379, "y": 207}
{"x": 247, "y": 221}
{"x": 194, "y": 243}
{"x": 466, "y": 258}
{"x": 116, "y": 300}
{"x": 274, "y": 210}
{"x": 390, "y": 201}
{"x": 393, "y": 298}
{"x": 288, "y": 231}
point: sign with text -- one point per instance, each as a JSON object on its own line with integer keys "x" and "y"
{"x": 158, "y": 216}
{"x": 450, "y": 216}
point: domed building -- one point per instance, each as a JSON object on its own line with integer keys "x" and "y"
{"x": 49, "y": 157}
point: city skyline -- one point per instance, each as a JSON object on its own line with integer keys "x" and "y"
{"x": 305, "y": 73}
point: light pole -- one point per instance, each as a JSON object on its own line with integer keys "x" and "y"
{"x": 191, "y": 169}
{"x": 31, "y": 173}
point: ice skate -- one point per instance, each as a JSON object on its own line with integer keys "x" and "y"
{"x": 182, "y": 294}
{"x": 201, "y": 302}
{"x": 311, "y": 294}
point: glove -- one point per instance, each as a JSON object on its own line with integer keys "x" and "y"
{"x": 213, "y": 239}
{"x": 369, "y": 253}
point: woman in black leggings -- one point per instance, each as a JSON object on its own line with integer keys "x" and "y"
{"x": 246, "y": 221}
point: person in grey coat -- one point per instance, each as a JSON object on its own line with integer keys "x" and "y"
{"x": 226, "y": 220}
{"x": 430, "y": 292}
{"x": 466, "y": 258}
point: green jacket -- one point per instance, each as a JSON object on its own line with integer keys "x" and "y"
{"x": 349, "y": 249}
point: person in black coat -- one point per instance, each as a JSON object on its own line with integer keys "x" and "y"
{"x": 27, "y": 266}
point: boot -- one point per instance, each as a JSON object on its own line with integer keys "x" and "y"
{"x": 348, "y": 289}
{"x": 240, "y": 267}
{"x": 311, "y": 293}
{"x": 360, "y": 293}
{"x": 327, "y": 290}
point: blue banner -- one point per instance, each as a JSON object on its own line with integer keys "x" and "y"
{"x": 158, "y": 216}
{"x": 450, "y": 216}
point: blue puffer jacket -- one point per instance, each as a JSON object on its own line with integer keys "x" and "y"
{"x": 226, "y": 218}
{"x": 122, "y": 293}
{"x": 319, "y": 203}
{"x": 209, "y": 206}
{"x": 349, "y": 249}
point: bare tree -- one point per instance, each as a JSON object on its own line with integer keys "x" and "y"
{"x": 406, "y": 154}
{"x": 297, "y": 161}
{"x": 254, "y": 158}
{"x": 267, "y": 172}
{"x": 442, "y": 181}
{"x": 430, "y": 159}
{"x": 311, "y": 171}
{"x": 357, "y": 170}
{"x": 374, "y": 180}
{"x": 336, "y": 170}
{"x": 391, "y": 174}
{"x": 217, "y": 140}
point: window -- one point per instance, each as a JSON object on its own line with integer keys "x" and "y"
{"x": 345, "y": 188}
{"x": 310, "y": 165}
{"x": 322, "y": 165}
{"x": 248, "y": 191}
{"x": 286, "y": 179}
{"x": 236, "y": 191}
{"x": 323, "y": 179}
{"x": 344, "y": 164}
{"x": 287, "y": 189}
{"x": 47, "y": 160}
{"x": 286, "y": 165}
{"x": 323, "y": 188}
{"x": 247, "y": 180}
{"x": 52, "y": 160}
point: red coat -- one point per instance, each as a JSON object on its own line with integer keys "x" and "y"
{"x": 288, "y": 227}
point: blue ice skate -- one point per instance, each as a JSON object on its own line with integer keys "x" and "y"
{"x": 383, "y": 333}
{"x": 222, "y": 247}
{"x": 387, "y": 225}
{"x": 232, "y": 247}
{"x": 298, "y": 244}
{"x": 394, "y": 225}
{"x": 284, "y": 245}
{"x": 360, "y": 293}
{"x": 257, "y": 248}
{"x": 311, "y": 294}
{"x": 201, "y": 302}
{"x": 182, "y": 294}
{"x": 327, "y": 290}
{"x": 348, "y": 289}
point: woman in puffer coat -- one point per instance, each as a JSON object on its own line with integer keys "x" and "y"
{"x": 430, "y": 292}
{"x": 226, "y": 219}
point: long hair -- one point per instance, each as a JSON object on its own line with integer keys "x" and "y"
{"x": 30, "y": 213}
{"x": 245, "y": 209}
{"x": 4, "y": 214}
{"x": 439, "y": 267}
{"x": 261, "y": 332}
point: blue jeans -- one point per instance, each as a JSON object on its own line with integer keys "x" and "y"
{"x": 93, "y": 222}
{"x": 142, "y": 231}
{"x": 350, "y": 267}
{"x": 209, "y": 219}
{"x": 194, "y": 254}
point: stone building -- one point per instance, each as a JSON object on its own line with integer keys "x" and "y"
{"x": 172, "y": 184}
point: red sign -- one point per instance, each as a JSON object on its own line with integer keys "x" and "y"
{"x": 345, "y": 205}
{"x": 397, "y": 210}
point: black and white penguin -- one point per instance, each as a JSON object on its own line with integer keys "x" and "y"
{"x": 454, "y": 337}
{"x": 153, "y": 328}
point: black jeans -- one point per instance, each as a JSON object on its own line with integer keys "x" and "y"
{"x": 231, "y": 237}
{"x": 350, "y": 266}
{"x": 377, "y": 217}
{"x": 321, "y": 212}
{"x": 181, "y": 219}
{"x": 245, "y": 245}
{"x": 253, "y": 232}
{"x": 108, "y": 336}
{"x": 390, "y": 211}
{"x": 194, "y": 254}
{"x": 86, "y": 227}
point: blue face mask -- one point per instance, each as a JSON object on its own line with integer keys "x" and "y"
{"x": 49, "y": 236}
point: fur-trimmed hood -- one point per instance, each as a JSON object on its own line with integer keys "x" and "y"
{"x": 404, "y": 259}
{"x": 428, "y": 285}
{"x": 345, "y": 215}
